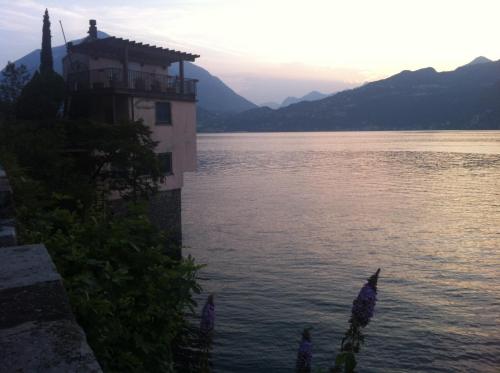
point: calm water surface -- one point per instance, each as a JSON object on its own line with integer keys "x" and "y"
{"x": 291, "y": 224}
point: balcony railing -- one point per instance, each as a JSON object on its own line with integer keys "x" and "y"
{"x": 136, "y": 80}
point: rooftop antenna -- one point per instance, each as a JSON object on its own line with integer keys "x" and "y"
{"x": 67, "y": 101}
{"x": 64, "y": 35}
{"x": 67, "y": 46}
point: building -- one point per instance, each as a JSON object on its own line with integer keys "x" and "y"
{"x": 112, "y": 79}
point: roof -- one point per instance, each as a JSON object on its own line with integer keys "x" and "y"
{"x": 115, "y": 48}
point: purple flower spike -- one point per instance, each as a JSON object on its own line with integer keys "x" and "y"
{"x": 208, "y": 316}
{"x": 363, "y": 306}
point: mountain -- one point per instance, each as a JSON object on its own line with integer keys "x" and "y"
{"x": 290, "y": 100}
{"x": 311, "y": 96}
{"x": 213, "y": 94}
{"x": 32, "y": 59}
{"x": 465, "y": 98}
{"x": 478, "y": 60}
{"x": 271, "y": 104}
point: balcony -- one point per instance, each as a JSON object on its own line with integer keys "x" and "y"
{"x": 134, "y": 82}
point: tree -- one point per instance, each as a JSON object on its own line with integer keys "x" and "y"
{"x": 11, "y": 85}
{"x": 118, "y": 158}
{"x": 87, "y": 160}
{"x": 46, "y": 59}
{"x": 42, "y": 97}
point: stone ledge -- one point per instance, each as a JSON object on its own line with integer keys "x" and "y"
{"x": 44, "y": 301}
{"x": 26, "y": 265}
{"x": 56, "y": 346}
{"x": 38, "y": 332}
{"x": 8, "y": 236}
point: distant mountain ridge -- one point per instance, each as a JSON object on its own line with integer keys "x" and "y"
{"x": 480, "y": 59}
{"x": 271, "y": 105}
{"x": 213, "y": 94}
{"x": 311, "y": 96}
{"x": 465, "y": 98}
{"x": 290, "y": 100}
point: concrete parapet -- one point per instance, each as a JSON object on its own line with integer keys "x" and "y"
{"x": 38, "y": 332}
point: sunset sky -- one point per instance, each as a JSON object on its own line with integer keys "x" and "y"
{"x": 269, "y": 49}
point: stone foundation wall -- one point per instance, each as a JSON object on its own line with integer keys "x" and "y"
{"x": 165, "y": 213}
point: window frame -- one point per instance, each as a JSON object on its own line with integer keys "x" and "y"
{"x": 166, "y": 171}
{"x": 163, "y": 123}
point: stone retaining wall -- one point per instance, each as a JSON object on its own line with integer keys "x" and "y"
{"x": 165, "y": 213}
{"x": 38, "y": 332}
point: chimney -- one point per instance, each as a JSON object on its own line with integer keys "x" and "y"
{"x": 92, "y": 29}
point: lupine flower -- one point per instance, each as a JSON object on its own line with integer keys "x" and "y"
{"x": 208, "y": 316}
{"x": 363, "y": 306}
{"x": 304, "y": 355}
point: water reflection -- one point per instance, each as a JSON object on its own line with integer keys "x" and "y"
{"x": 289, "y": 225}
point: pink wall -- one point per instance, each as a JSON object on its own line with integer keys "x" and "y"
{"x": 178, "y": 138}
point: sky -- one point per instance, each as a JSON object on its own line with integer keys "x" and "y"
{"x": 267, "y": 50}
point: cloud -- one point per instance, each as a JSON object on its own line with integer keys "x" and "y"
{"x": 260, "y": 89}
{"x": 334, "y": 41}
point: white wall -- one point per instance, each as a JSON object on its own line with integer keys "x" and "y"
{"x": 146, "y": 68}
{"x": 178, "y": 138}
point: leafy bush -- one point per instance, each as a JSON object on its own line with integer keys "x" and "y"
{"x": 129, "y": 297}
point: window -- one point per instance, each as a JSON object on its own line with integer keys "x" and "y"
{"x": 163, "y": 113}
{"x": 165, "y": 160}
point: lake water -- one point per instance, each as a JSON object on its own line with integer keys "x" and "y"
{"x": 291, "y": 224}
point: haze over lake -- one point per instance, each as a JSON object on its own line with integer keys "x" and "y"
{"x": 291, "y": 224}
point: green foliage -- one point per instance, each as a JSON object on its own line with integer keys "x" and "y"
{"x": 37, "y": 150}
{"x": 42, "y": 97}
{"x": 122, "y": 154}
{"x": 11, "y": 84}
{"x": 345, "y": 362}
{"x": 86, "y": 160}
{"x": 129, "y": 297}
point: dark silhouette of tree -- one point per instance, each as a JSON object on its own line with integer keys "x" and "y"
{"x": 11, "y": 85}
{"x": 42, "y": 97}
{"x": 46, "y": 59}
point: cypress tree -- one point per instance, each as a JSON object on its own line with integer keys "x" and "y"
{"x": 46, "y": 60}
{"x": 42, "y": 97}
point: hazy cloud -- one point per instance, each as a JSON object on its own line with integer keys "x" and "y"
{"x": 250, "y": 43}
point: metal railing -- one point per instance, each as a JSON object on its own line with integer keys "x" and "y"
{"x": 136, "y": 80}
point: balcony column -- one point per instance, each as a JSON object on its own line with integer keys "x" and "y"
{"x": 125, "y": 67}
{"x": 181, "y": 75}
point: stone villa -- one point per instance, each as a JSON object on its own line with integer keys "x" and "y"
{"x": 112, "y": 79}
